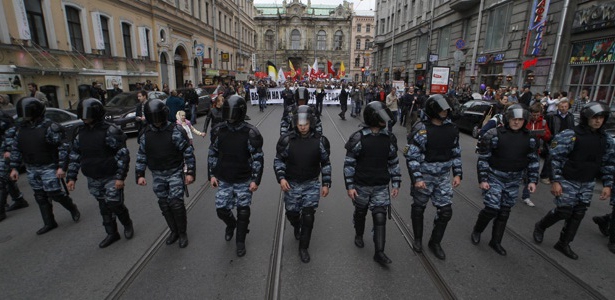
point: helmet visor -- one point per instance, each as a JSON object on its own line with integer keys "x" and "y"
{"x": 595, "y": 110}
{"x": 383, "y": 115}
{"x": 303, "y": 119}
{"x": 516, "y": 113}
{"x": 443, "y": 103}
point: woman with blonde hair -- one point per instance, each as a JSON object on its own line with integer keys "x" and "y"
{"x": 181, "y": 120}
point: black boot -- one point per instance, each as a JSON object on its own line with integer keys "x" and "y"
{"x": 416, "y": 214}
{"x": 307, "y": 223}
{"x": 294, "y": 218}
{"x": 111, "y": 229}
{"x": 552, "y": 217}
{"x": 46, "y": 209}
{"x": 18, "y": 200}
{"x": 226, "y": 215}
{"x": 484, "y": 217}
{"x": 499, "y": 226}
{"x": 67, "y": 203}
{"x": 18, "y": 204}
{"x": 3, "y": 196}
{"x": 121, "y": 211}
{"x": 243, "y": 219}
{"x": 444, "y": 214}
{"x": 170, "y": 219}
{"x": 379, "y": 217}
{"x": 359, "y": 225}
{"x": 181, "y": 221}
{"x": 570, "y": 230}
{"x": 611, "y": 244}
{"x": 603, "y": 223}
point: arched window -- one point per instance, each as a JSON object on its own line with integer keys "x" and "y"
{"x": 74, "y": 28}
{"x": 358, "y": 44}
{"x": 321, "y": 40}
{"x": 295, "y": 40}
{"x": 269, "y": 40}
{"x": 338, "y": 40}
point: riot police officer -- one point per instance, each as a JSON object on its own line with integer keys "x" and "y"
{"x": 578, "y": 157}
{"x": 165, "y": 148}
{"x": 606, "y": 224}
{"x": 432, "y": 152}
{"x": 8, "y": 186}
{"x": 99, "y": 150}
{"x": 371, "y": 163}
{"x": 287, "y": 123}
{"x": 505, "y": 154}
{"x": 235, "y": 166}
{"x": 41, "y": 145}
{"x": 301, "y": 155}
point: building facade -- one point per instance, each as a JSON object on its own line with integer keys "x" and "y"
{"x": 301, "y": 33}
{"x": 362, "y": 35}
{"x": 63, "y": 46}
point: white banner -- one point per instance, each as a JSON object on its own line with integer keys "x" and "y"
{"x": 111, "y": 80}
{"x": 143, "y": 41}
{"x": 274, "y": 96}
{"x": 99, "y": 41}
{"x": 22, "y": 20}
{"x": 11, "y": 84}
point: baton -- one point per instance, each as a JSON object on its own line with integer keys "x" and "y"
{"x": 121, "y": 195}
{"x": 389, "y": 211}
{"x": 64, "y": 186}
{"x": 185, "y": 185}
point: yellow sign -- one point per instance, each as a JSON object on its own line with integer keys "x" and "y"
{"x": 418, "y": 66}
{"x": 225, "y": 57}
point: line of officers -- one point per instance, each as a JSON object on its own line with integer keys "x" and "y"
{"x": 302, "y": 167}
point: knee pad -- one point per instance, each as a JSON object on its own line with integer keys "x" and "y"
{"x": 360, "y": 211}
{"x": 223, "y": 212}
{"x": 243, "y": 213}
{"x": 445, "y": 213}
{"x": 578, "y": 211}
{"x": 490, "y": 212}
{"x": 379, "y": 217}
{"x": 379, "y": 210}
{"x": 563, "y": 212}
{"x": 307, "y": 217}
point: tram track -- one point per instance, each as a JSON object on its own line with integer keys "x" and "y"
{"x": 149, "y": 253}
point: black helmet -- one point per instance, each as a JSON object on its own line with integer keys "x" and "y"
{"x": 516, "y": 111}
{"x": 434, "y": 105}
{"x": 91, "y": 108}
{"x": 156, "y": 111}
{"x": 30, "y": 108}
{"x": 592, "y": 109}
{"x": 375, "y": 113}
{"x": 302, "y": 114}
{"x": 234, "y": 109}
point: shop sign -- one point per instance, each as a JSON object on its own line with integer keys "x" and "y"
{"x": 533, "y": 42}
{"x": 418, "y": 66}
{"x": 485, "y": 59}
{"x": 439, "y": 80}
{"x": 110, "y": 80}
{"x": 11, "y": 84}
{"x": 223, "y": 72}
{"x": 207, "y": 61}
{"x": 594, "y": 17}
{"x": 596, "y": 51}
{"x": 212, "y": 72}
{"x": 225, "y": 56}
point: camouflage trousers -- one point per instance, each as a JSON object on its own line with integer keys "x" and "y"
{"x": 372, "y": 196}
{"x": 169, "y": 184}
{"x": 438, "y": 188}
{"x": 43, "y": 178}
{"x": 503, "y": 188}
{"x": 302, "y": 194}
{"x": 574, "y": 192}
{"x": 104, "y": 189}
{"x": 230, "y": 195}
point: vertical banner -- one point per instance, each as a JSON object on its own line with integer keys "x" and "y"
{"x": 533, "y": 41}
{"x": 22, "y": 20}
{"x": 439, "y": 80}
{"x": 253, "y": 62}
{"x": 143, "y": 42}
{"x": 98, "y": 34}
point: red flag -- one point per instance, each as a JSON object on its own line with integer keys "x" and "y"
{"x": 298, "y": 71}
{"x": 330, "y": 67}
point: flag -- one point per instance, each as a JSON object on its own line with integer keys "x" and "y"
{"x": 314, "y": 69}
{"x": 298, "y": 73}
{"x": 292, "y": 69}
{"x": 272, "y": 70}
{"x": 342, "y": 71}
{"x": 330, "y": 67}
{"x": 280, "y": 79}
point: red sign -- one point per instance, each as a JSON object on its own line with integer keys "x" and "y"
{"x": 529, "y": 63}
{"x": 207, "y": 61}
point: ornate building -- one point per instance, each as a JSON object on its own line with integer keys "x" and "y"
{"x": 299, "y": 33}
{"x": 363, "y": 37}
{"x": 63, "y": 46}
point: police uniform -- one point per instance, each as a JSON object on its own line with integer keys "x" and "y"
{"x": 504, "y": 157}
{"x": 235, "y": 160}
{"x": 606, "y": 224}
{"x": 40, "y": 144}
{"x": 100, "y": 151}
{"x": 578, "y": 157}
{"x": 286, "y": 124}
{"x": 165, "y": 150}
{"x": 300, "y": 160}
{"x": 432, "y": 152}
{"x": 371, "y": 162}
{"x": 8, "y": 186}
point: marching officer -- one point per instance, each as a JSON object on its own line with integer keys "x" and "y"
{"x": 432, "y": 152}
{"x": 8, "y": 186}
{"x": 505, "y": 154}
{"x": 606, "y": 224}
{"x": 235, "y": 165}
{"x": 371, "y": 163}
{"x": 288, "y": 122}
{"x": 99, "y": 150}
{"x": 301, "y": 155}
{"x": 41, "y": 145}
{"x": 165, "y": 148}
{"x": 578, "y": 157}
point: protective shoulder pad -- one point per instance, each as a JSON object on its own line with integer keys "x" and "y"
{"x": 325, "y": 142}
{"x": 117, "y": 133}
{"x": 354, "y": 139}
{"x": 256, "y": 139}
{"x": 55, "y": 126}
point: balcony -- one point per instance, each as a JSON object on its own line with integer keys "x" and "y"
{"x": 380, "y": 39}
{"x": 463, "y": 5}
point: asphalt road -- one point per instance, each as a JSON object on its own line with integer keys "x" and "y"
{"x": 66, "y": 263}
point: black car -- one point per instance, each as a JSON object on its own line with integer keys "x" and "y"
{"x": 68, "y": 120}
{"x": 205, "y": 101}
{"x": 470, "y": 116}
{"x": 121, "y": 109}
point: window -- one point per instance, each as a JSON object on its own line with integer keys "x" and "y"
{"x": 200, "y": 10}
{"x": 367, "y": 44}
{"x": 34, "y": 13}
{"x": 443, "y": 42}
{"x": 269, "y": 40}
{"x": 104, "y": 24}
{"x": 295, "y": 40}
{"x": 382, "y": 26}
{"x": 206, "y": 12}
{"x": 421, "y": 52}
{"x": 127, "y": 39}
{"x": 149, "y": 51}
{"x": 321, "y": 43}
{"x": 357, "y": 62}
{"x": 358, "y": 44}
{"x": 368, "y": 28}
{"x": 598, "y": 80}
{"x": 338, "y": 39}
{"x": 219, "y": 21}
{"x": 358, "y": 27}
{"x": 74, "y": 28}
{"x": 496, "y": 27}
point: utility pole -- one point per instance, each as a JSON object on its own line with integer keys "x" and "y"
{"x": 393, "y": 40}
{"x": 215, "y": 35}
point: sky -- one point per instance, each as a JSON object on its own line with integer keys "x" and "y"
{"x": 358, "y": 4}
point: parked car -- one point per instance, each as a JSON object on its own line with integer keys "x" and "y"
{"x": 121, "y": 109}
{"x": 205, "y": 100}
{"x": 470, "y": 116}
{"x": 68, "y": 120}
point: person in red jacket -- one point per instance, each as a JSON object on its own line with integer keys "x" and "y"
{"x": 537, "y": 126}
